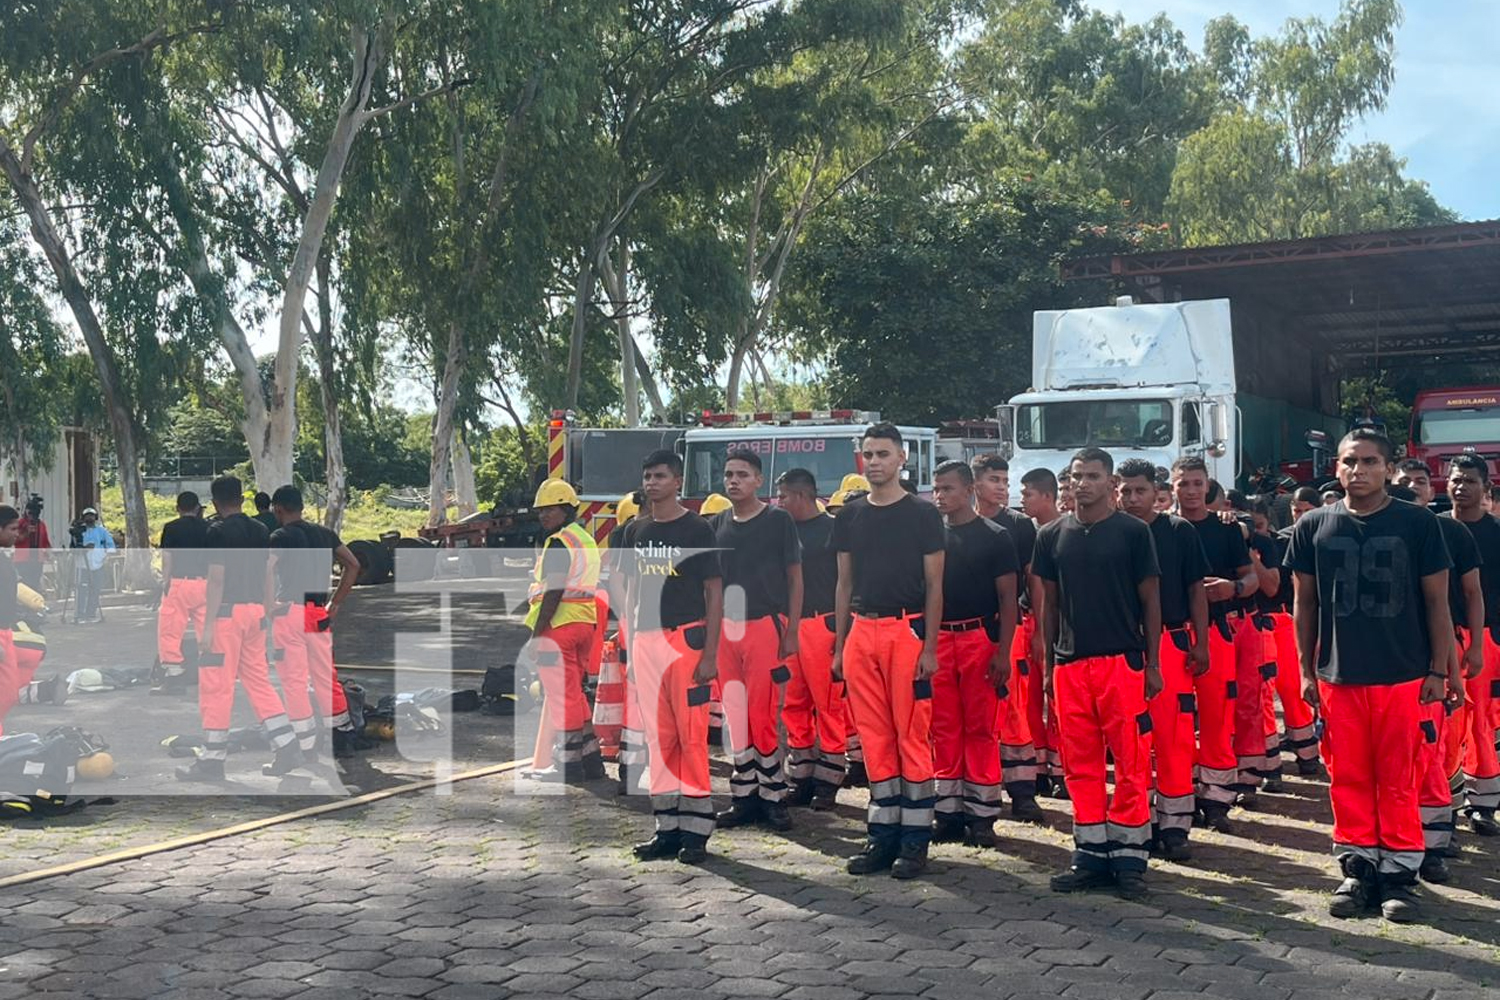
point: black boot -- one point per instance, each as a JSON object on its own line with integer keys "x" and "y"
{"x": 289, "y": 758}
{"x": 1024, "y": 809}
{"x": 1216, "y": 817}
{"x": 825, "y": 796}
{"x": 1130, "y": 885}
{"x": 592, "y": 766}
{"x": 665, "y": 844}
{"x": 744, "y": 811}
{"x": 1077, "y": 879}
{"x": 1435, "y": 869}
{"x": 1173, "y": 845}
{"x": 776, "y": 816}
{"x": 948, "y": 828}
{"x": 1357, "y": 892}
{"x": 980, "y": 833}
{"x": 202, "y": 770}
{"x": 694, "y": 850}
{"x": 856, "y": 777}
{"x": 1399, "y": 902}
{"x": 1482, "y": 822}
{"x": 1309, "y": 768}
{"x": 802, "y": 793}
{"x": 911, "y": 862}
{"x": 874, "y": 858}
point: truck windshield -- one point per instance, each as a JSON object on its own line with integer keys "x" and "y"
{"x": 1459, "y": 427}
{"x": 1076, "y": 423}
{"x": 829, "y": 459}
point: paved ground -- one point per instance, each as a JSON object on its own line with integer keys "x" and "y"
{"x": 499, "y": 890}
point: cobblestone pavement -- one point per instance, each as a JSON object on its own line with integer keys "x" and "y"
{"x": 505, "y": 888}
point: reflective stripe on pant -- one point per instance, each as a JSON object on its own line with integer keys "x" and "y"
{"x": 880, "y": 665}
{"x": 1254, "y": 659}
{"x": 632, "y": 757}
{"x": 10, "y": 684}
{"x": 1041, "y": 716}
{"x": 1215, "y": 694}
{"x": 1301, "y": 723}
{"x": 1018, "y": 756}
{"x": 1434, "y": 794}
{"x": 562, "y": 658}
{"x": 1173, "y": 741}
{"x": 184, "y": 603}
{"x": 1101, "y": 705}
{"x": 814, "y": 713}
{"x": 676, "y": 733}
{"x": 748, "y": 653}
{"x": 1375, "y": 732}
{"x": 965, "y": 726}
{"x": 1481, "y": 766}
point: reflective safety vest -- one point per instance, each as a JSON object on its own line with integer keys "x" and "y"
{"x": 583, "y": 579}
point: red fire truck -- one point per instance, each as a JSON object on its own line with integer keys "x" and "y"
{"x": 1449, "y": 422}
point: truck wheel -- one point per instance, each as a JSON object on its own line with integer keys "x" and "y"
{"x": 374, "y": 562}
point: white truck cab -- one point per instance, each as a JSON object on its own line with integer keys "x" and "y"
{"x": 1151, "y": 381}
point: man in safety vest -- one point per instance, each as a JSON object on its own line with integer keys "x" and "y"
{"x": 562, "y": 619}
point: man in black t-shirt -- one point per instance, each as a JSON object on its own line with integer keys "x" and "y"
{"x": 814, "y": 712}
{"x": 1183, "y": 657}
{"x": 888, "y": 605}
{"x": 302, "y": 554}
{"x": 1444, "y": 723}
{"x": 234, "y": 641}
{"x": 184, "y": 573}
{"x": 1373, "y": 638}
{"x": 674, "y": 607}
{"x": 973, "y": 654}
{"x": 1469, "y": 485}
{"x": 1018, "y": 755}
{"x": 1231, "y": 577}
{"x": 1102, "y": 615}
{"x": 762, "y": 563}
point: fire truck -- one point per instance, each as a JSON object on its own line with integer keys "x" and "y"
{"x": 602, "y": 463}
{"x": 1446, "y": 423}
{"x": 825, "y": 442}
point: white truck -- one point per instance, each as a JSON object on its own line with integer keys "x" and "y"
{"x": 1138, "y": 380}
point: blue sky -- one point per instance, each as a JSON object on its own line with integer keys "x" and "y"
{"x": 1442, "y": 114}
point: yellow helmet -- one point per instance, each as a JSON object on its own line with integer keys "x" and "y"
{"x": 713, "y": 504}
{"x": 555, "y": 493}
{"x": 626, "y": 509}
{"x": 854, "y": 481}
{"x": 839, "y": 498}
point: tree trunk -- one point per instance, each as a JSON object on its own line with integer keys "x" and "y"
{"x": 273, "y": 452}
{"x": 335, "y": 476}
{"x": 122, "y": 421}
{"x": 582, "y": 291}
{"x": 465, "y": 493}
{"x": 617, "y": 281}
{"x": 648, "y": 382}
{"x": 742, "y": 344}
{"x": 442, "y": 426}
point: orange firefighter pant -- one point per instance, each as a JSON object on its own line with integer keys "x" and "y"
{"x": 676, "y": 733}
{"x": 1101, "y": 706}
{"x": 1174, "y": 742}
{"x": 749, "y": 656}
{"x": 965, "y": 727}
{"x": 880, "y": 665}
{"x": 814, "y": 713}
{"x": 1299, "y": 719}
{"x": 240, "y": 639}
{"x": 1018, "y": 752}
{"x": 1255, "y": 663}
{"x": 1375, "y": 731}
{"x": 184, "y": 603}
{"x": 1215, "y": 696}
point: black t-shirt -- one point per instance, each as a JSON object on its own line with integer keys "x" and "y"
{"x": 1464, "y": 552}
{"x": 887, "y": 544}
{"x": 186, "y": 538}
{"x": 754, "y": 557}
{"x": 303, "y": 561}
{"x": 1267, "y": 549}
{"x": 1179, "y": 556}
{"x": 1023, "y": 539}
{"x": 1286, "y": 593}
{"x": 1486, "y": 532}
{"x": 1098, "y": 569}
{"x": 820, "y": 565}
{"x": 239, "y": 544}
{"x": 267, "y": 519}
{"x": 672, "y": 561}
{"x": 1224, "y": 546}
{"x": 1372, "y": 617}
{"x": 978, "y": 553}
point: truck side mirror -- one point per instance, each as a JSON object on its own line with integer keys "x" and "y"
{"x": 1217, "y": 419}
{"x": 1005, "y": 418}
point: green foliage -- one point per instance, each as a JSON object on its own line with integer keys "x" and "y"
{"x": 1374, "y": 397}
{"x": 31, "y": 353}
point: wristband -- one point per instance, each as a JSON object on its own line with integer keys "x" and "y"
{"x": 1434, "y": 673}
